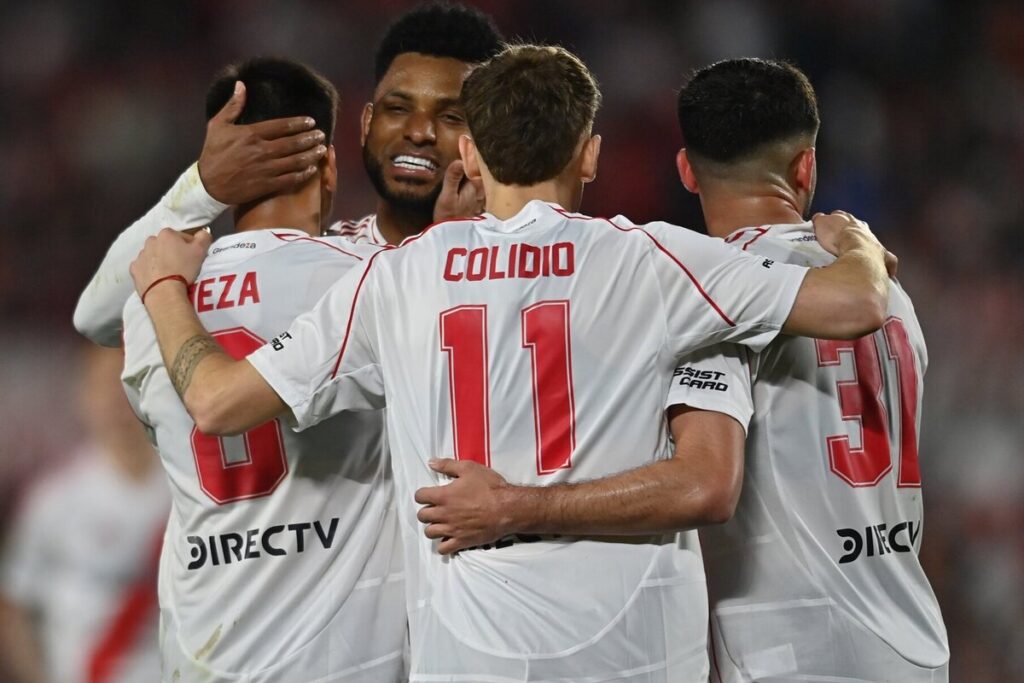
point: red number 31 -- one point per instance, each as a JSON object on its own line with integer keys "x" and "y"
{"x": 861, "y": 402}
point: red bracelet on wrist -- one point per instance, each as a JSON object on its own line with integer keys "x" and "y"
{"x": 179, "y": 278}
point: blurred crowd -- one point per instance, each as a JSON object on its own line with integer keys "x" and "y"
{"x": 922, "y": 136}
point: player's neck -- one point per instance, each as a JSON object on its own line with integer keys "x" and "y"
{"x": 725, "y": 211}
{"x": 506, "y": 201}
{"x": 395, "y": 223}
{"x": 297, "y": 210}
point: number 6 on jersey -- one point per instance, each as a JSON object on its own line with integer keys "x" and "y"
{"x": 545, "y": 334}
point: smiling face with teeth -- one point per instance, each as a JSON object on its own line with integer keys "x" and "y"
{"x": 410, "y": 132}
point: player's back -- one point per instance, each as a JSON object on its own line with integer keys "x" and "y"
{"x": 542, "y": 346}
{"x": 820, "y": 560}
{"x": 281, "y": 560}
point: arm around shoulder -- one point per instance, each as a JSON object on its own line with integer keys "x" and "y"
{"x": 849, "y": 298}
{"x": 185, "y": 206}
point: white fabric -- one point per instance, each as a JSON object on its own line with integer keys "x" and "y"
{"x": 330, "y": 610}
{"x": 636, "y": 299}
{"x": 84, "y": 537}
{"x": 774, "y": 572}
{"x": 362, "y": 231}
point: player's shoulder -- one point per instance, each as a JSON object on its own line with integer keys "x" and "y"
{"x": 787, "y": 243}
{"x": 281, "y": 249}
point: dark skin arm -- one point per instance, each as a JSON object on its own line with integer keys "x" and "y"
{"x": 698, "y": 485}
{"x": 240, "y": 163}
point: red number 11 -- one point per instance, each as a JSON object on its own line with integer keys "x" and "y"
{"x": 545, "y": 328}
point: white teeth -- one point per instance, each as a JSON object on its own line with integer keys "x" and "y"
{"x": 414, "y": 163}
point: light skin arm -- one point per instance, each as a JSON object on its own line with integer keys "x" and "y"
{"x": 20, "y": 650}
{"x": 698, "y": 485}
{"x": 223, "y": 396}
{"x": 847, "y": 299}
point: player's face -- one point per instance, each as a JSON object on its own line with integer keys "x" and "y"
{"x": 411, "y": 130}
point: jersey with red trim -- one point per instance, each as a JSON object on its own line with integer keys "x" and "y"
{"x": 362, "y": 231}
{"x": 820, "y": 560}
{"x": 541, "y": 346}
{"x": 83, "y": 540}
{"x": 281, "y": 560}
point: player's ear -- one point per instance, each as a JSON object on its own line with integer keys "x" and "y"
{"x": 364, "y": 123}
{"x": 686, "y": 174}
{"x": 803, "y": 169}
{"x": 588, "y": 161}
{"x": 470, "y": 161}
{"x": 329, "y": 170}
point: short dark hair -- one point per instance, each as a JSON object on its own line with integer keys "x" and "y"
{"x": 276, "y": 87}
{"x": 527, "y": 109}
{"x": 731, "y": 108}
{"x": 439, "y": 29}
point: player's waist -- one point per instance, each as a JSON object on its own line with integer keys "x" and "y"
{"x": 561, "y": 539}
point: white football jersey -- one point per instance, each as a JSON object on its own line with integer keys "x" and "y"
{"x": 541, "y": 346}
{"x": 281, "y": 560}
{"x": 82, "y": 556}
{"x": 817, "y": 573}
{"x": 362, "y": 231}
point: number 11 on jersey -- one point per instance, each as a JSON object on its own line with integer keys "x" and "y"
{"x": 546, "y": 336}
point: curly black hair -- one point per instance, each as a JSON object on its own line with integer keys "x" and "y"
{"x": 440, "y": 29}
{"x": 729, "y": 109}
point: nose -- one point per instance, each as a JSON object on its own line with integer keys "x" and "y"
{"x": 419, "y": 129}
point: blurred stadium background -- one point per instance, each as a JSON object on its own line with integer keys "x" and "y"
{"x": 922, "y": 136}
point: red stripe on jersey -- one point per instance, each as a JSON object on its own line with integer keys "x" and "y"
{"x": 352, "y": 312}
{"x": 287, "y": 237}
{"x": 410, "y": 240}
{"x": 665, "y": 251}
{"x": 359, "y": 287}
{"x": 760, "y": 233}
{"x": 122, "y": 633}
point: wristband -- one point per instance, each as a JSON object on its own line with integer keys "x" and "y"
{"x": 179, "y": 278}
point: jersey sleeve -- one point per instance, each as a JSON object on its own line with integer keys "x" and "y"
{"x": 186, "y": 205}
{"x": 327, "y": 361}
{"x": 715, "y": 378}
{"x": 141, "y": 355}
{"x": 715, "y": 293}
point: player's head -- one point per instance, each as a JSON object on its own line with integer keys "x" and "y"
{"x": 411, "y": 129}
{"x": 276, "y": 87}
{"x": 530, "y": 111}
{"x": 749, "y": 122}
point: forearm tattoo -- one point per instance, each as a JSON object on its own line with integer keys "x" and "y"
{"x": 191, "y": 353}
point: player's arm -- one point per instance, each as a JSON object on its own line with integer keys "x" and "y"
{"x": 697, "y": 486}
{"x": 223, "y": 396}
{"x": 848, "y": 298}
{"x": 238, "y": 163}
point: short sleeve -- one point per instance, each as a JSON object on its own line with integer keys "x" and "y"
{"x": 327, "y": 360}
{"x": 715, "y": 378}
{"x": 715, "y": 293}
{"x": 141, "y": 354}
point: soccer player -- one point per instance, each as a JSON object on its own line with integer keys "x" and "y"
{"x": 78, "y": 578}
{"x": 527, "y": 330}
{"x": 409, "y": 136}
{"x": 281, "y": 561}
{"x": 817, "y": 575}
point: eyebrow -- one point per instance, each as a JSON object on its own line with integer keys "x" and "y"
{"x": 399, "y": 94}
